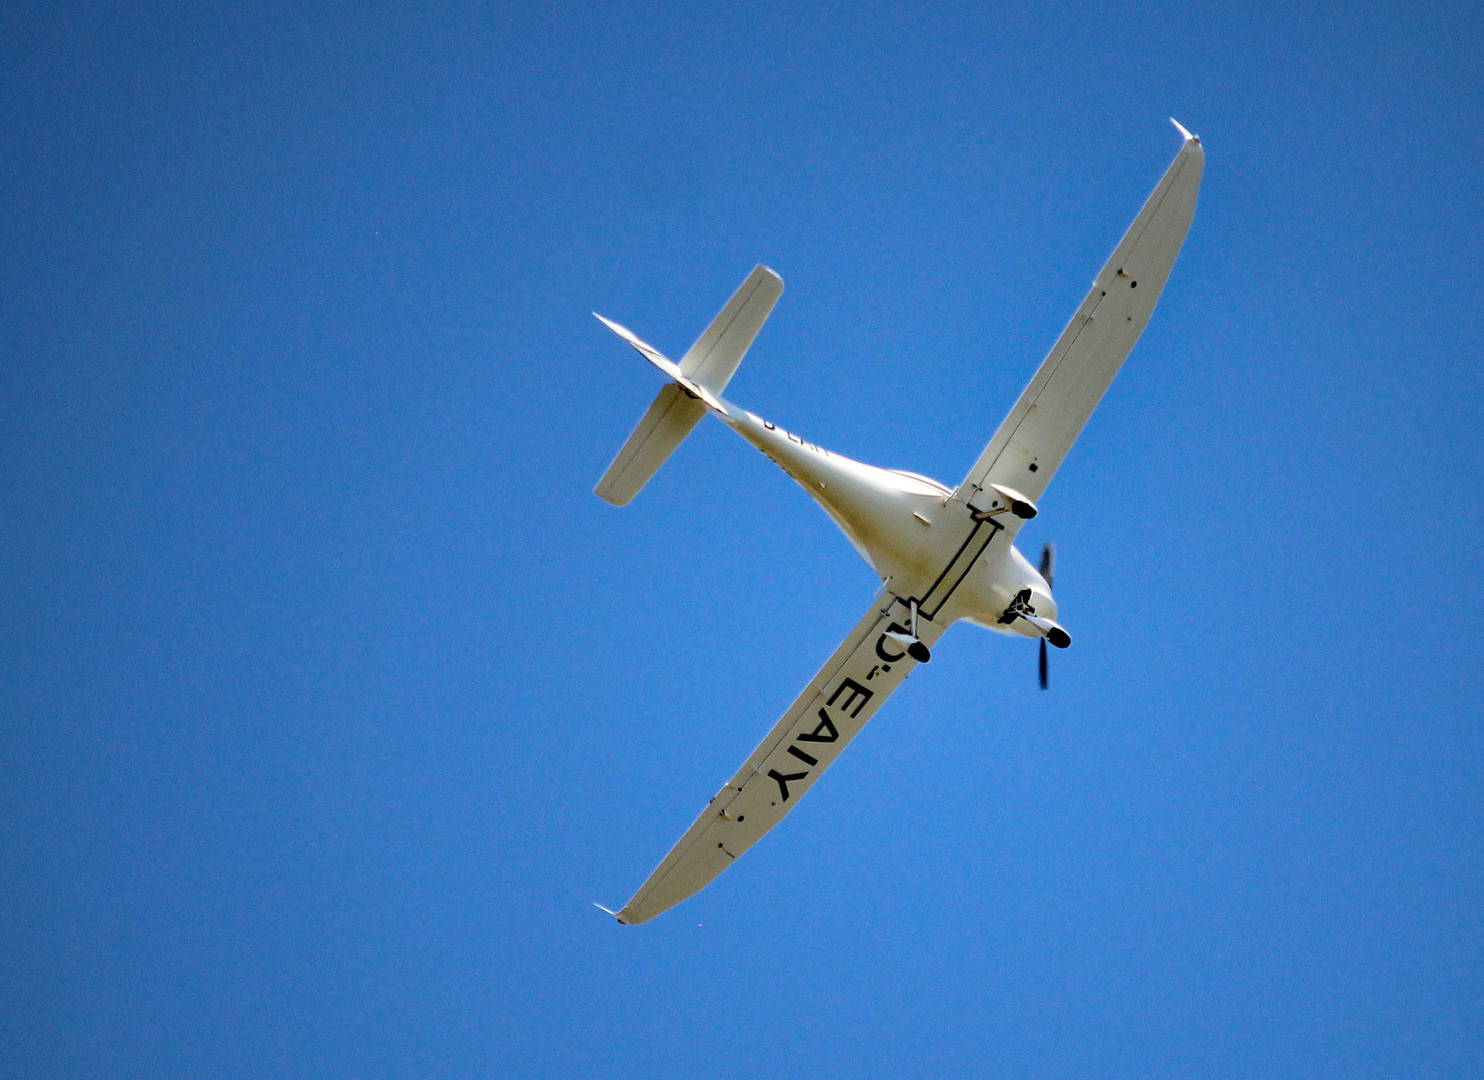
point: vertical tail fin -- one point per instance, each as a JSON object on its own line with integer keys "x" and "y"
{"x": 709, "y": 363}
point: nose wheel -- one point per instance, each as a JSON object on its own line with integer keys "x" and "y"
{"x": 1020, "y": 608}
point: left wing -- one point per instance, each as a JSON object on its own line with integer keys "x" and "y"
{"x": 836, "y": 704}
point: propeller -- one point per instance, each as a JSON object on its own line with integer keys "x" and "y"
{"x": 1048, "y": 569}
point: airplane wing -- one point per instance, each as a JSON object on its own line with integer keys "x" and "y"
{"x": 1032, "y": 441}
{"x": 836, "y": 704}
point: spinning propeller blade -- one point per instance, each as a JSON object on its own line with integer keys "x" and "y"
{"x": 1048, "y": 569}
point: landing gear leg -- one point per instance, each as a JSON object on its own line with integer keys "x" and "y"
{"x": 917, "y": 650}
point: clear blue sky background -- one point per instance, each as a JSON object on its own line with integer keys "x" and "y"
{"x": 332, "y": 696}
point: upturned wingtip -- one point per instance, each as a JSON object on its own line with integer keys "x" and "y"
{"x": 1184, "y": 131}
{"x": 609, "y": 911}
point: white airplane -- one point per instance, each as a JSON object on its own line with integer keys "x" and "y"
{"x": 943, "y": 554}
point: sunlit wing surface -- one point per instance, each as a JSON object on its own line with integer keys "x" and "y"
{"x": 1030, "y": 444}
{"x": 836, "y": 704}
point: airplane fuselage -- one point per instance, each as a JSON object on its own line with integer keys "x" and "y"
{"x": 912, "y": 531}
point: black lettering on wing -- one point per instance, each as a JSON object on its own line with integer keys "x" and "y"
{"x": 783, "y": 780}
{"x": 857, "y": 695}
{"x": 823, "y": 732}
{"x": 807, "y": 759}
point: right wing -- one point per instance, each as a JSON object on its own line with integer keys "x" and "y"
{"x": 1032, "y": 441}
{"x": 836, "y": 704}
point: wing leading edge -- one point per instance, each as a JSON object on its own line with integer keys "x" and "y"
{"x": 1030, "y": 444}
{"x": 833, "y": 708}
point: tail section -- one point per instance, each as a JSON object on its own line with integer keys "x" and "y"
{"x": 669, "y": 420}
{"x": 699, "y": 378}
{"x": 713, "y": 359}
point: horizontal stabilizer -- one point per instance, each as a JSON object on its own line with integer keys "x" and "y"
{"x": 713, "y": 359}
{"x": 670, "y": 418}
{"x": 699, "y": 378}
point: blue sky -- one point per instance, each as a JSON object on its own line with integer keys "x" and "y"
{"x": 332, "y": 696}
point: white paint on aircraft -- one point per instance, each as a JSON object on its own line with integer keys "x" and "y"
{"x": 962, "y": 565}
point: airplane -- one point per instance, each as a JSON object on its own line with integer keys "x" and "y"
{"x": 943, "y": 554}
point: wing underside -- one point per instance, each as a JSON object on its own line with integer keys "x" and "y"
{"x": 836, "y": 704}
{"x": 1039, "y": 431}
